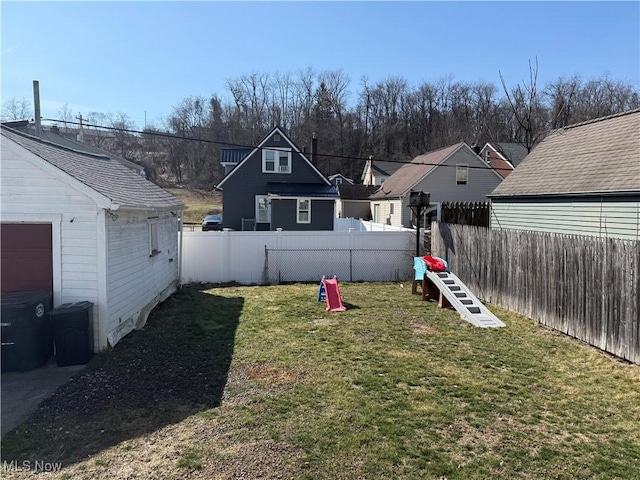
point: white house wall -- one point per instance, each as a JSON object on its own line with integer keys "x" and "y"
{"x": 136, "y": 281}
{"x": 606, "y": 219}
{"x": 385, "y": 208}
{"x": 30, "y": 194}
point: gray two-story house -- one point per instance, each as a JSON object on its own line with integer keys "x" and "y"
{"x": 277, "y": 186}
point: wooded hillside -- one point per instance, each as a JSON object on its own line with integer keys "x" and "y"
{"x": 389, "y": 119}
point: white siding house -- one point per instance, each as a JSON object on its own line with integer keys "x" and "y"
{"x": 114, "y": 234}
{"x": 450, "y": 174}
{"x": 582, "y": 179}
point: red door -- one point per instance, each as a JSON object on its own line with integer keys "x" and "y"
{"x": 26, "y": 259}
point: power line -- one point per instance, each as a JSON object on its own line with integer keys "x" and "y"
{"x": 157, "y": 133}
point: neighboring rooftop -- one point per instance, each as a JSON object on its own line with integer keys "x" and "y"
{"x": 594, "y": 157}
{"x": 233, "y": 155}
{"x": 348, "y": 191}
{"x": 100, "y": 172}
{"x": 413, "y": 172}
{"x": 513, "y": 152}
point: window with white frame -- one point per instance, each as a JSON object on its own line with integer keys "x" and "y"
{"x": 276, "y": 161}
{"x": 153, "y": 237}
{"x": 462, "y": 174}
{"x": 391, "y": 205}
{"x": 304, "y": 210}
{"x": 263, "y": 209}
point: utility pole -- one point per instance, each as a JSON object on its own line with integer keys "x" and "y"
{"x": 36, "y": 105}
{"x": 81, "y": 134}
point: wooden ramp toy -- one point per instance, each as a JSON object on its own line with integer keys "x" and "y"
{"x": 453, "y": 292}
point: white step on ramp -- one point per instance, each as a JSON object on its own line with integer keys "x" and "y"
{"x": 460, "y": 297}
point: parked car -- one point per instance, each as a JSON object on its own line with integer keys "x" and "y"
{"x": 212, "y": 222}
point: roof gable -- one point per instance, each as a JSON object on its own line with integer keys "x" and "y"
{"x": 599, "y": 156}
{"x": 121, "y": 186}
{"x": 412, "y": 173}
{"x": 263, "y": 142}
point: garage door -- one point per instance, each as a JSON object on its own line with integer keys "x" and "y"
{"x": 26, "y": 257}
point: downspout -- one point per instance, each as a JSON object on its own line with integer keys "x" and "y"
{"x": 180, "y": 241}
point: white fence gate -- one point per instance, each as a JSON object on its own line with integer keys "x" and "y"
{"x": 273, "y": 257}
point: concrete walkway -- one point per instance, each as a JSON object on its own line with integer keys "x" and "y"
{"x": 22, "y": 392}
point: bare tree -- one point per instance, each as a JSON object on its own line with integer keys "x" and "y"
{"x": 527, "y": 109}
{"x": 65, "y": 115}
{"x": 17, "y": 109}
{"x": 95, "y": 135}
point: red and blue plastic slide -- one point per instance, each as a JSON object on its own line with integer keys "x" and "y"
{"x": 331, "y": 294}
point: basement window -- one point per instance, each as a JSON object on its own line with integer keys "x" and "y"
{"x": 462, "y": 174}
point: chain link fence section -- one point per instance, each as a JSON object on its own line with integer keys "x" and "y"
{"x": 284, "y": 265}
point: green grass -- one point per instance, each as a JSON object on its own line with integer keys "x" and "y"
{"x": 199, "y": 203}
{"x": 391, "y": 388}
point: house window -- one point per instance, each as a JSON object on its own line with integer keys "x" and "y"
{"x": 153, "y": 237}
{"x": 338, "y": 181}
{"x": 391, "y": 208}
{"x": 462, "y": 174}
{"x": 276, "y": 161}
{"x": 304, "y": 210}
{"x": 263, "y": 209}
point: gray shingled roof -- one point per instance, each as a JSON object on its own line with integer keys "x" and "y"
{"x": 514, "y": 152}
{"x": 104, "y": 175}
{"x": 348, "y": 191}
{"x": 598, "y": 156}
{"x": 48, "y": 134}
{"x": 411, "y": 173}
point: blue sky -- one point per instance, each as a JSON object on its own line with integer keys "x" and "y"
{"x": 137, "y": 57}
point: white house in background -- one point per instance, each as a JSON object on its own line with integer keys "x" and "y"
{"x": 339, "y": 179}
{"x": 376, "y": 172}
{"x": 85, "y": 227}
{"x": 450, "y": 174}
{"x": 582, "y": 179}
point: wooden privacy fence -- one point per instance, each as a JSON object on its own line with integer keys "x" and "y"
{"x": 583, "y": 286}
{"x": 469, "y": 213}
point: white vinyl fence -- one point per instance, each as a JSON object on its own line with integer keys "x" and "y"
{"x": 274, "y": 257}
{"x": 344, "y": 224}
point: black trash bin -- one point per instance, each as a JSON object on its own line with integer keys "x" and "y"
{"x": 73, "y": 333}
{"x": 25, "y": 330}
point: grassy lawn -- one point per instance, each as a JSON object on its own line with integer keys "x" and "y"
{"x": 261, "y": 382}
{"x": 200, "y": 203}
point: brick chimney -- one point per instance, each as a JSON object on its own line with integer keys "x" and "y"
{"x": 314, "y": 150}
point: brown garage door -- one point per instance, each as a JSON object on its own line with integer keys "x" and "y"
{"x": 26, "y": 257}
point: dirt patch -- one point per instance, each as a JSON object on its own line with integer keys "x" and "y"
{"x": 420, "y": 328}
{"x": 271, "y": 374}
{"x": 325, "y": 322}
{"x": 269, "y": 460}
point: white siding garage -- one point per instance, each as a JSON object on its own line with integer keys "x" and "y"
{"x": 99, "y": 212}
